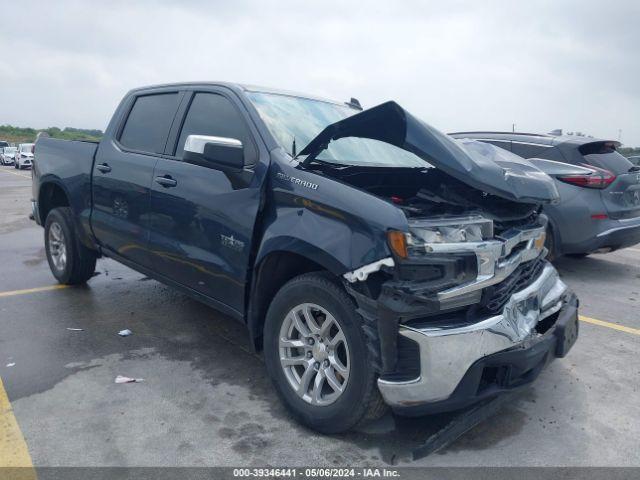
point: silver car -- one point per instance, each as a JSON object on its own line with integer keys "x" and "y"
{"x": 24, "y": 156}
{"x": 8, "y": 155}
{"x": 599, "y": 209}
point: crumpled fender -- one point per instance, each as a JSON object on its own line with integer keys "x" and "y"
{"x": 333, "y": 224}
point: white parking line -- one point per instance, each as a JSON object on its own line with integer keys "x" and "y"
{"x": 18, "y": 174}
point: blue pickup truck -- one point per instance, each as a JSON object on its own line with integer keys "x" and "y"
{"x": 374, "y": 260}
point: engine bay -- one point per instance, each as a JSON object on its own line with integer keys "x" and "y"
{"x": 428, "y": 192}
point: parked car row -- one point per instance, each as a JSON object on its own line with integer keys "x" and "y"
{"x": 20, "y": 157}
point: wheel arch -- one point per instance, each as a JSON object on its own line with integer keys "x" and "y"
{"x": 274, "y": 268}
{"x": 52, "y": 194}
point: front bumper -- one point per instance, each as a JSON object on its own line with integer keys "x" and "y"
{"x": 538, "y": 323}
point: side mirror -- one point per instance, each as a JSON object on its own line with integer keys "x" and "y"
{"x": 220, "y": 153}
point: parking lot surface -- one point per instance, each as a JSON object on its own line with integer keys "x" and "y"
{"x": 206, "y": 399}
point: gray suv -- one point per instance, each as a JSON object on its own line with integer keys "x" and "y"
{"x": 599, "y": 209}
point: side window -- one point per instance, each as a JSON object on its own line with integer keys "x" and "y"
{"x": 552, "y": 153}
{"x": 214, "y": 115}
{"x": 527, "y": 150}
{"x": 149, "y": 121}
{"x": 506, "y": 144}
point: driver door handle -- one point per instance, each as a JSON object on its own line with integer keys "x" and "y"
{"x": 166, "y": 181}
{"x": 103, "y": 167}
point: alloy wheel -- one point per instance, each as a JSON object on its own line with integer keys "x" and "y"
{"x": 57, "y": 246}
{"x": 314, "y": 354}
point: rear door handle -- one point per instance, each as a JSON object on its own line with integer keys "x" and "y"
{"x": 103, "y": 167}
{"x": 166, "y": 181}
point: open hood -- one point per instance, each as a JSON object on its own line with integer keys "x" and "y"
{"x": 483, "y": 170}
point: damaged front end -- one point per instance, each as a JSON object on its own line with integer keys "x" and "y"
{"x": 471, "y": 308}
{"x": 465, "y": 306}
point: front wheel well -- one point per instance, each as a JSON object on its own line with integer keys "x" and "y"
{"x": 51, "y": 196}
{"x": 273, "y": 272}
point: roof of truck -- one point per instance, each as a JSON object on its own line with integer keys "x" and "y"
{"x": 240, "y": 87}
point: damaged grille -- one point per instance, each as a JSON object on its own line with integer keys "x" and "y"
{"x": 495, "y": 297}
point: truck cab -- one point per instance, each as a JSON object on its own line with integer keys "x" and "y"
{"x": 375, "y": 261}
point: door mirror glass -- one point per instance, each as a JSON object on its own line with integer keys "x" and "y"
{"x": 220, "y": 153}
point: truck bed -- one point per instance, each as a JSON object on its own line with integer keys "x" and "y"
{"x": 67, "y": 164}
{"x": 68, "y": 158}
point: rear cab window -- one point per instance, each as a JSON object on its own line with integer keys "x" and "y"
{"x": 149, "y": 121}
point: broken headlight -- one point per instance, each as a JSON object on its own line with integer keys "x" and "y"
{"x": 428, "y": 236}
{"x": 437, "y": 252}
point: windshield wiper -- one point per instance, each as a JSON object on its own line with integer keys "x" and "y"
{"x": 306, "y": 161}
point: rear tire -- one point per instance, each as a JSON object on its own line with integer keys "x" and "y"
{"x": 71, "y": 262}
{"x": 326, "y": 409}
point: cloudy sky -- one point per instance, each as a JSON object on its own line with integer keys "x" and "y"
{"x": 459, "y": 65}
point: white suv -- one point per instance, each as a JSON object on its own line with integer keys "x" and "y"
{"x": 24, "y": 156}
{"x": 8, "y": 155}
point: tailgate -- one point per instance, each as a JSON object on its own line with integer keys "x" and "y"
{"x": 622, "y": 197}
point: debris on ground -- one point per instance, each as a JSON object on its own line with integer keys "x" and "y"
{"x": 11, "y": 364}
{"x": 461, "y": 423}
{"x": 125, "y": 333}
{"x": 121, "y": 379}
{"x": 75, "y": 329}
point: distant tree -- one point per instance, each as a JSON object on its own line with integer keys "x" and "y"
{"x": 13, "y": 134}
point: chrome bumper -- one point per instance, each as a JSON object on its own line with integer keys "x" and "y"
{"x": 447, "y": 353}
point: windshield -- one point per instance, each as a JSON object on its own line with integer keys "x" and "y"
{"x": 605, "y": 155}
{"x": 613, "y": 162}
{"x": 26, "y": 148}
{"x": 9, "y": 149}
{"x": 302, "y": 119}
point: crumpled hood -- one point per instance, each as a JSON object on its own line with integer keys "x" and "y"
{"x": 481, "y": 169}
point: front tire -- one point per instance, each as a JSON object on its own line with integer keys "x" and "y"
{"x": 317, "y": 356}
{"x": 70, "y": 262}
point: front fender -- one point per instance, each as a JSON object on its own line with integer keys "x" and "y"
{"x": 336, "y": 242}
{"x": 334, "y": 224}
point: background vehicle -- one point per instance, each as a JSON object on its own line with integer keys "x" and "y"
{"x": 600, "y": 207}
{"x": 24, "y": 156}
{"x": 347, "y": 260}
{"x": 3, "y": 144}
{"x": 8, "y": 155}
{"x": 635, "y": 159}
